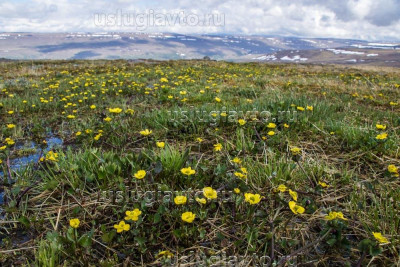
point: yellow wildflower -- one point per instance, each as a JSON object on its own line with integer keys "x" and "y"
{"x": 217, "y": 147}
{"x": 74, "y": 223}
{"x": 252, "y": 198}
{"x": 236, "y": 160}
{"x": 160, "y": 144}
{"x": 282, "y": 188}
{"x": 115, "y": 110}
{"x": 122, "y": 226}
{"x": 380, "y": 126}
{"x": 180, "y": 200}
{"x": 382, "y": 136}
{"x": 242, "y": 122}
{"x": 293, "y": 194}
{"x": 201, "y": 200}
{"x": 188, "y": 171}
{"x": 296, "y": 209}
{"x": 188, "y": 216}
{"x": 140, "y": 174}
{"x": 146, "y": 132}
{"x": 335, "y": 215}
{"x": 295, "y": 150}
{"x": 132, "y": 215}
{"x": 381, "y": 239}
{"x": 209, "y": 193}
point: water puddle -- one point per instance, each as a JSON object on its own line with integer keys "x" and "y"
{"x": 19, "y": 163}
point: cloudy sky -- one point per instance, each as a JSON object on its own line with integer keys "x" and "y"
{"x": 359, "y": 19}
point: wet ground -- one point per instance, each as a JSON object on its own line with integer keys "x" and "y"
{"x": 19, "y": 163}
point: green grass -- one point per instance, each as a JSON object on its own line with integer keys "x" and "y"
{"x": 92, "y": 176}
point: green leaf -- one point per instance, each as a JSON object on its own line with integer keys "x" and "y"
{"x": 25, "y": 221}
{"x": 157, "y": 218}
{"x": 71, "y": 234}
{"x": 85, "y": 240}
{"x": 375, "y": 251}
{"x": 331, "y": 241}
{"x": 108, "y": 237}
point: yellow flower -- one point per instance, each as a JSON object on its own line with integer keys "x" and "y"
{"x": 51, "y": 156}
{"x": 282, "y": 188}
{"x": 382, "y": 136}
{"x": 217, "y": 99}
{"x": 335, "y": 215}
{"x": 107, "y": 119}
{"x": 300, "y": 108}
{"x": 240, "y": 175}
{"x": 160, "y": 144}
{"x": 236, "y": 190}
{"x": 146, "y": 132}
{"x": 323, "y": 184}
{"x": 97, "y": 137}
{"x": 132, "y": 215}
{"x": 140, "y": 174}
{"x": 271, "y": 133}
{"x": 71, "y": 117}
{"x": 242, "y": 122}
{"x": 236, "y": 160}
{"x": 11, "y": 112}
{"x": 271, "y": 125}
{"x": 380, "y": 126}
{"x": 9, "y": 141}
{"x": 198, "y": 139}
{"x": 293, "y": 194}
{"x": 381, "y": 239}
{"x": 310, "y": 108}
{"x": 296, "y": 209}
{"x": 209, "y": 193}
{"x": 163, "y": 80}
{"x": 3, "y": 147}
{"x": 392, "y": 169}
{"x": 295, "y": 150}
{"x": 180, "y": 200}
{"x": 393, "y": 103}
{"x": 217, "y": 147}
{"x": 74, "y": 223}
{"x": 252, "y": 198}
{"x": 286, "y": 125}
{"x": 10, "y": 126}
{"x": 165, "y": 253}
{"x": 188, "y": 171}
{"x": 188, "y": 216}
{"x": 115, "y": 110}
{"x": 1, "y": 161}
{"x": 92, "y": 106}
{"x": 201, "y": 200}
{"x": 122, "y": 226}
{"x": 130, "y": 111}
{"x": 78, "y": 133}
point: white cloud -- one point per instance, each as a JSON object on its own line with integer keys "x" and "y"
{"x": 361, "y": 19}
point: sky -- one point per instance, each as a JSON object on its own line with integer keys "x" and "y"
{"x": 355, "y": 19}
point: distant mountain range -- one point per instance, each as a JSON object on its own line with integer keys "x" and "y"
{"x": 164, "y": 46}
